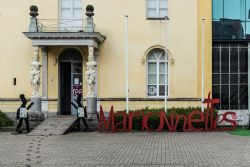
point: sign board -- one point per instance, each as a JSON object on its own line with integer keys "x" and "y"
{"x": 23, "y": 113}
{"x": 77, "y": 89}
{"x": 152, "y": 90}
{"x": 76, "y": 81}
{"x": 80, "y": 112}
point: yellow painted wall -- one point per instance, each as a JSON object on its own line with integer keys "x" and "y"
{"x": 16, "y": 50}
{"x": 184, "y": 43}
{"x": 205, "y": 11}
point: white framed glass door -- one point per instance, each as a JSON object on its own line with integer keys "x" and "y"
{"x": 76, "y": 83}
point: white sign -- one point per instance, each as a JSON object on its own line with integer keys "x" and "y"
{"x": 23, "y": 113}
{"x": 76, "y": 81}
{"x": 80, "y": 112}
{"x": 152, "y": 90}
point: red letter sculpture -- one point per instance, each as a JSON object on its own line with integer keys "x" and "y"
{"x": 123, "y": 122}
{"x": 104, "y": 122}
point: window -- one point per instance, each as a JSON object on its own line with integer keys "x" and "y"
{"x": 228, "y": 24}
{"x": 71, "y": 15}
{"x": 217, "y": 9}
{"x": 230, "y": 75}
{"x": 238, "y": 8}
{"x": 157, "y": 71}
{"x": 157, "y": 9}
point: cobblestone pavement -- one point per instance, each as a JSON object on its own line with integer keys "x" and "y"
{"x": 125, "y": 149}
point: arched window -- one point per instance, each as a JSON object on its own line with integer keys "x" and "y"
{"x": 157, "y": 72}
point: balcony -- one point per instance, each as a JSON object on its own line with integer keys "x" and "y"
{"x": 231, "y": 29}
{"x": 60, "y": 32}
{"x": 61, "y": 25}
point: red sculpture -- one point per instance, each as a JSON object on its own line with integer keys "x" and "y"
{"x": 171, "y": 122}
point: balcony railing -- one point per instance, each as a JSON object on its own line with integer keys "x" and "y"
{"x": 61, "y": 25}
{"x": 231, "y": 29}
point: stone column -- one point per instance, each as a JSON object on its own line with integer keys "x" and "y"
{"x": 45, "y": 81}
{"x": 35, "y": 113}
{"x": 91, "y": 83}
{"x": 44, "y": 72}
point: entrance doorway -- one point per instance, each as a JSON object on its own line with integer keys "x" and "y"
{"x": 70, "y": 77}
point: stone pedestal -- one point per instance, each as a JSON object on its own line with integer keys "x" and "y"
{"x": 33, "y": 25}
{"x": 89, "y": 27}
{"x": 92, "y": 113}
{"x": 92, "y": 108}
{"x": 36, "y": 110}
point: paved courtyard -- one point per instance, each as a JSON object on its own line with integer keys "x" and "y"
{"x": 125, "y": 149}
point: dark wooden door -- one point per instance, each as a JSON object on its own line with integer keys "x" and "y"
{"x": 65, "y": 88}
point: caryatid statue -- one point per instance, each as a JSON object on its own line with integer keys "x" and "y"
{"x": 35, "y": 73}
{"x": 90, "y": 75}
{"x": 35, "y": 77}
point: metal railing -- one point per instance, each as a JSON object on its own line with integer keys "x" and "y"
{"x": 61, "y": 25}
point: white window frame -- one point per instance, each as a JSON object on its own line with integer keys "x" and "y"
{"x": 71, "y": 10}
{"x": 158, "y": 7}
{"x": 158, "y": 61}
{"x": 68, "y": 24}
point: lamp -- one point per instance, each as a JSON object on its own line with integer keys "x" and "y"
{"x": 172, "y": 61}
{"x": 55, "y": 61}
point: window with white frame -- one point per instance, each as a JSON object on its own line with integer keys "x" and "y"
{"x": 157, "y": 9}
{"x": 71, "y": 14}
{"x": 157, "y": 73}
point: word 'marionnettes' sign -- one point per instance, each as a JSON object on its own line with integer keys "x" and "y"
{"x": 209, "y": 118}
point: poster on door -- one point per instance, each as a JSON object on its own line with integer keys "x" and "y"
{"x": 77, "y": 89}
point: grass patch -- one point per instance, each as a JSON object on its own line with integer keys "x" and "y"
{"x": 240, "y": 132}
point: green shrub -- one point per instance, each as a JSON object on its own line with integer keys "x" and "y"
{"x": 154, "y": 121}
{"x": 4, "y": 120}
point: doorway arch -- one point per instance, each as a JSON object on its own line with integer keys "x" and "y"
{"x": 70, "y": 79}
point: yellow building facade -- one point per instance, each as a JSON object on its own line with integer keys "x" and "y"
{"x": 64, "y": 46}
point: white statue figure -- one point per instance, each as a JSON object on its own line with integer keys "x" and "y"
{"x": 90, "y": 75}
{"x": 35, "y": 77}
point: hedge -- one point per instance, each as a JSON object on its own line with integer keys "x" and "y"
{"x": 4, "y": 120}
{"x": 154, "y": 120}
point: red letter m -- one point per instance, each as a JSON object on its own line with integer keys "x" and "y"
{"x": 104, "y": 124}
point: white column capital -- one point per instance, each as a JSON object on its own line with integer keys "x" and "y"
{"x": 36, "y": 53}
{"x": 91, "y": 53}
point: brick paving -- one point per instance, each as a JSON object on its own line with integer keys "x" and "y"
{"x": 125, "y": 149}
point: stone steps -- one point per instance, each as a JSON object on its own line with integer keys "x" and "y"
{"x": 53, "y": 126}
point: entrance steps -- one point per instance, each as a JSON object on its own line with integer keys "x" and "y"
{"x": 54, "y": 126}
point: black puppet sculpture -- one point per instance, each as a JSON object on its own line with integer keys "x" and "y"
{"x": 78, "y": 107}
{"x": 21, "y": 115}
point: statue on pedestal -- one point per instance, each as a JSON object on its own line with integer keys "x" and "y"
{"x": 90, "y": 75}
{"x": 35, "y": 77}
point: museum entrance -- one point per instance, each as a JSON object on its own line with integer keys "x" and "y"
{"x": 70, "y": 77}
